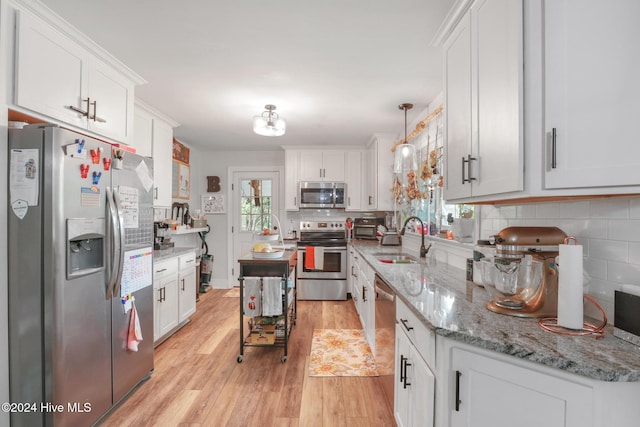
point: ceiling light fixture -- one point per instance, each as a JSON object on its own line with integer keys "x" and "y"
{"x": 405, "y": 156}
{"x": 269, "y": 123}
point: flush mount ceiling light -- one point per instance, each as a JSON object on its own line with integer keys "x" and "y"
{"x": 405, "y": 156}
{"x": 269, "y": 123}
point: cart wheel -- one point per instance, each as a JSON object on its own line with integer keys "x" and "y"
{"x": 283, "y": 359}
{"x": 239, "y": 359}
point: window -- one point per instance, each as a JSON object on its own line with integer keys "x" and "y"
{"x": 255, "y": 204}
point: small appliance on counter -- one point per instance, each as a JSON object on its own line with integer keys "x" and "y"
{"x": 522, "y": 278}
{"x": 366, "y": 228}
{"x": 161, "y": 239}
{"x": 391, "y": 236}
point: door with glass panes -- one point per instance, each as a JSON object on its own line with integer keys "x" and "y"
{"x": 255, "y": 207}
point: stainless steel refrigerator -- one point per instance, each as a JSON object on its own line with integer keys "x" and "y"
{"x": 80, "y": 257}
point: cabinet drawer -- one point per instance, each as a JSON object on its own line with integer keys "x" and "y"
{"x": 187, "y": 261}
{"x": 165, "y": 267}
{"x": 422, "y": 338}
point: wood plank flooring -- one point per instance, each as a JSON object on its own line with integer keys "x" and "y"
{"x": 198, "y": 382}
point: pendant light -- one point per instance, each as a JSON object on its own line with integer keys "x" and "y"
{"x": 405, "y": 155}
{"x": 269, "y": 123}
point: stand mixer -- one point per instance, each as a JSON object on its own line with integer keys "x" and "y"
{"x": 516, "y": 244}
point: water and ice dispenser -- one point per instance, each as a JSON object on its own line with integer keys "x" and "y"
{"x": 85, "y": 246}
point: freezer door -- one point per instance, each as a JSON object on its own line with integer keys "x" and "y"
{"x": 133, "y": 193}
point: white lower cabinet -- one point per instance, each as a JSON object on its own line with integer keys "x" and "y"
{"x": 174, "y": 285}
{"x": 165, "y": 304}
{"x": 187, "y": 286}
{"x": 363, "y": 295}
{"x": 493, "y": 393}
{"x": 414, "y": 397}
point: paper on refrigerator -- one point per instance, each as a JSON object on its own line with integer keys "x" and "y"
{"x": 24, "y": 178}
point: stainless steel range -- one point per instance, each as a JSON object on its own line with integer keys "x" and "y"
{"x": 322, "y": 261}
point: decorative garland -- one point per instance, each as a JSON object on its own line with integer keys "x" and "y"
{"x": 419, "y": 127}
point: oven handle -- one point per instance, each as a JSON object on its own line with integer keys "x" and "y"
{"x": 327, "y": 249}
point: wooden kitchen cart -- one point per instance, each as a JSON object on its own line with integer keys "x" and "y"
{"x": 267, "y": 330}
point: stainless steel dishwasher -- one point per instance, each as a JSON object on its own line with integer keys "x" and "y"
{"x": 385, "y": 336}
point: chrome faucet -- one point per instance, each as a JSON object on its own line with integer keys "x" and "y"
{"x": 423, "y": 249}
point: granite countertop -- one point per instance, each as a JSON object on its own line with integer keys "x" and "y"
{"x": 159, "y": 255}
{"x": 453, "y": 307}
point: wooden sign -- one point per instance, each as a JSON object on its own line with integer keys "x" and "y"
{"x": 213, "y": 184}
{"x": 180, "y": 152}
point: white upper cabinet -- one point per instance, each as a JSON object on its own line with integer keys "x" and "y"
{"x": 592, "y": 64}
{"x": 58, "y": 77}
{"x": 379, "y": 174}
{"x": 153, "y": 137}
{"x": 142, "y": 132}
{"x": 483, "y": 58}
{"x": 322, "y": 165}
{"x": 291, "y": 180}
{"x": 354, "y": 179}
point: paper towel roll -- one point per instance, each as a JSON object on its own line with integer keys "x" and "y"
{"x": 570, "y": 291}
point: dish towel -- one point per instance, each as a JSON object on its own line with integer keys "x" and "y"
{"x": 135, "y": 333}
{"x": 271, "y": 296}
{"x": 310, "y": 258}
{"x": 252, "y": 297}
{"x": 318, "y": 259}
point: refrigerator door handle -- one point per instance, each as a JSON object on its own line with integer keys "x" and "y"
{"x": 112, "y": 244}
{"x": 120, "y": 242}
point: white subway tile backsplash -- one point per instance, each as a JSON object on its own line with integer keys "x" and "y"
{"x": 634, "y": 208}
{"x": 595, "y": 268}
{"x": 608, "y": 229}
{"x": 574, "y": 210}
{"x": 628, "y": 230}
{"x": 526, "y": 211}
{"x": 508, "y": 211}
{"x": 548, "y": 210}
{"x": 621, "y": 272}
{"x": 610, "y": 208}
{"x": 634, "y": 253}
{"x": 609, "y": 250}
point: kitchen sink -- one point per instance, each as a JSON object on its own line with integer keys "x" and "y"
{"x": 395, "y": 258}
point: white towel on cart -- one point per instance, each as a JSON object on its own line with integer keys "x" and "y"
{"x": 271, "y": 296}
{"x": 252, "y": 297}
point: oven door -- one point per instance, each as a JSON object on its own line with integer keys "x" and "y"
{"x": 334, "y": 266}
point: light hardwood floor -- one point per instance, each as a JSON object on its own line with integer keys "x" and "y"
{"x": 198, "y": 382}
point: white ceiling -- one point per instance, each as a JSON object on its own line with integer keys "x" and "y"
{"x": 335, "y": 69}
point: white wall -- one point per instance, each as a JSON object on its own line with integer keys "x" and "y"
{"x": 608, "y": 228}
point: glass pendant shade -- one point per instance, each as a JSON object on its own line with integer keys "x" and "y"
{"x": 405, "y": 158}
{"x": 269, "y": 123}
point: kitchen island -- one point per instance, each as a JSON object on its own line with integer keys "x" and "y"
{"x": 268, "y": 300}
{"x": 596, "y": 381}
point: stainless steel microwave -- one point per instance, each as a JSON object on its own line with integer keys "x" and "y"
{"x": 322, "y": 195}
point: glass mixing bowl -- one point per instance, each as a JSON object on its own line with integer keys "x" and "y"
{"x": 512, "y": 284}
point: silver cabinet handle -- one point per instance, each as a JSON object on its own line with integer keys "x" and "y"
{"x": 95, "y": 112}
{"x": 467, "y": 161}
{"x": 554, "y": 159}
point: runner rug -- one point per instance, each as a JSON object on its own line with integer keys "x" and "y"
{"x": 341, "y": 353}
{"x": 233, "y": 292}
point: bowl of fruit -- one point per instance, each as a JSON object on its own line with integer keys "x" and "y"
{"x": 267, "y": 235}
{"x": 264, "y": 250}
